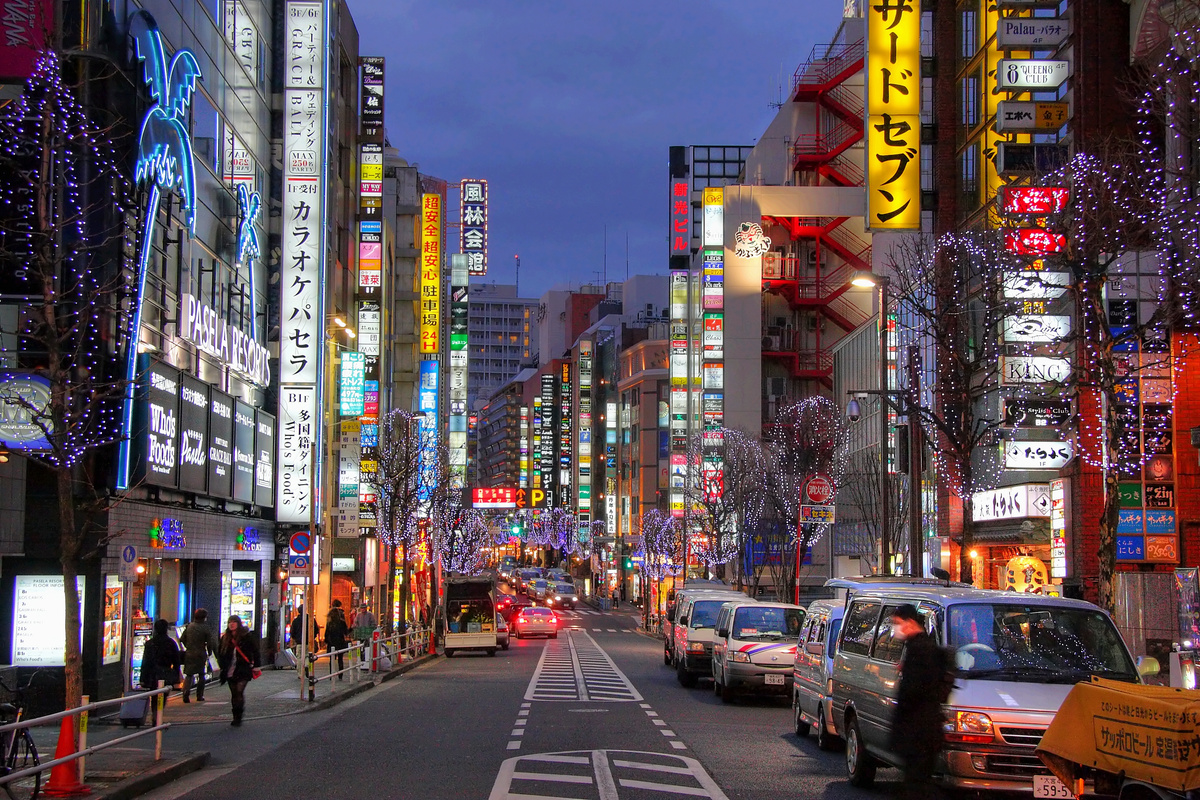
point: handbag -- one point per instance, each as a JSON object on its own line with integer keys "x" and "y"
{"x": 255, "y": 672}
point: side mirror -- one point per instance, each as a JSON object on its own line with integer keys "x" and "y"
{"x": 815, "y": 648}
{"x": 683, "y": 620}
{"x": 722, "y": 633}
{"x": 1148, "y": 666}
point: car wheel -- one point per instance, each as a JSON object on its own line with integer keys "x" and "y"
{"x": 666, "y": 657}
{"x": 726, "y": 694}
{"x": 449, "y": 653}
{"x": 860, "y": 765}
{"x": 825, "y": 739}
{"x": 491, "y": 651}
{"x": 504, "y": 646}
{"x": 554, "y": 635}
{"x": 798, "y": 724}
{"x": 686, "y": 678}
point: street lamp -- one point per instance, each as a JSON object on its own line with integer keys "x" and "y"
{"x": 865, "y": 279}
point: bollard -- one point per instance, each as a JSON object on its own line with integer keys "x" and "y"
{"x": 159, "y": 702}
{"x": 355, "y": 657}
{"x": 83, "y": 723}
{"x": 312, "y": 678}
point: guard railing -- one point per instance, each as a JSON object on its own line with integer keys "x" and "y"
{"x": 156, "y": 696}
{"x": 367, "y": 655}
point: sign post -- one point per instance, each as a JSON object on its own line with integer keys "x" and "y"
{"x": 815, "y": 508}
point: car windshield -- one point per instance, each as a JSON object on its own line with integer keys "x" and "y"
{"x": 704, "y": 613}
{"x": 564, "y": 588}
{"x": 1036, "y": 643}
{"x": 766, "y": 623}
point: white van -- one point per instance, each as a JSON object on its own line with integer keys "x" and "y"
{"x": 812, "y": 691}
{"x": 695, "y": 621}
{"x": 754, "y": 647}
{"x": 1016, "y": 656}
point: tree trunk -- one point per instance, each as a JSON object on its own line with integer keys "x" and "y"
{"x": 966, "y": 564}
{"x": 69, "y": 540}
{"x": 1107, "y": 532}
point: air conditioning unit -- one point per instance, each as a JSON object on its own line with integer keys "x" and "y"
{"x": 774, "y": 404}
{"x": 812, "y": 259}
{"x": 771, "y": 344}
{"x": 814, "y": 323}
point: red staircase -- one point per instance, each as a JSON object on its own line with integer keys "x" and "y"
{"x": 839, "y": 119}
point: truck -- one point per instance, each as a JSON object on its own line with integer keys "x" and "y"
{"x": 468, "y": 613}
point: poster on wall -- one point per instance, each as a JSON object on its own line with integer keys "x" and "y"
{"x": 240, "y": 600}
{"x": 220, "y": 446}
{"x": 193, "y": 434}
{"x": 39, "y": 609}
{"x": 243, "y": 452}
{"x": 264, "y": 464}
{"x": 160, "y": 424}
{"x": 110, "y": 640}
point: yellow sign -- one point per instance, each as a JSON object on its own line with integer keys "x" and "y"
{"x": 430, "y": 308}
{"x": 714, "y": 197}
{"x": 894, "y": 115}
{"x": 372, "y": 172}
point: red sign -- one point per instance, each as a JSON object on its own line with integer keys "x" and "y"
{"x": 681, "y": 218}
{"x": 1034, "y": 199}
{"x": 1033, "y": 241}
{"x": 25, "y": 26}
{"x": 818, "y": 491}
{"x": 494, "y": 497}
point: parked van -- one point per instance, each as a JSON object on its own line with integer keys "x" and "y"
{"x": 1016, "y": 658}
{"x": 677, "y": 601}
{"x": 695, "y": 621}
{"x": 812, "y": 696}
{"x": 754, "y": 647}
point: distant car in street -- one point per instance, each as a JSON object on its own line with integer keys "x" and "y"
{"x": 501, "y": 632}
{"x": 558, "y": 576}
{"x": 561, "y": 595}
{"x": 510, "y": 604}
{"x": 523, "y": 576}
{"x": 536, "y": 589}
{"x": 535, "y": 622}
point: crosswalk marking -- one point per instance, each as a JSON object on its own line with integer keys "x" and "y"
{"x": 575, "y": 668}
{"x": 606, "y": 774}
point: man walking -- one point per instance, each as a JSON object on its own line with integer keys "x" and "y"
{"x": 364, "y": 627}
{"x": 925, "y": 680}
{"x": 199, "y": 642}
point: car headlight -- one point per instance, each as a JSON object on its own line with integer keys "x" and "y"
{"x": 968, "y": 726}
{"x": 574, "y": 599}
{"x": 556, "y": 597}
{"x": 738, "y": 655}
{"x": 696, "y": 647}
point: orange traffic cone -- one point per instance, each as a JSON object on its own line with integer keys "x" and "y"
{"x": 64, "y": 778}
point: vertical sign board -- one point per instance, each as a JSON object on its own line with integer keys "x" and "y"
{"x": 349, "y": 453}
{"x": 220, "y": 445}
{"x": 243, "y": 452}
{"x": 160, "y": 424}
{"x": 710, "y": 342}
{"x": 193, "y": 435}
{"x": 549, "y": 437}
{"x": 566, "y": 428}
{"x": 302, "y": 271}
{"x": 351, "y": 386}
{"x": 456, "y": 438}
{"x": 427, "y": 404}
{"x": 431, "y": 273}
{"x": 371, "y": 92}
{"x": 264, "y": 467}
{"x": 681, "y": 217}
{"x": 1060, "y": 523}
{"x": 583, "y": 437}
{"x": 370, "y": 235}
{"x": 894, "y": 115}
{"x": 473, "y": 230}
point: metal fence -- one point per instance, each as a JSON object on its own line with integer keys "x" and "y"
{"x": 368, "y": 657}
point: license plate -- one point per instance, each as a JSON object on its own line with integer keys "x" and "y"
{"x": 1052, "y": 787}
{"x": 774, "y": 680}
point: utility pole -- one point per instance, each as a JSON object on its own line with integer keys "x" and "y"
{"x": 916, "y": 463}
{"x": 885, "y": 555}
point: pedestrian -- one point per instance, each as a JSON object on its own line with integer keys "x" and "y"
{"x": 297, "y": 630}
{"x": 237, "y": 657}
{"x": 364, "y": 628}
{"x": 161, "y": 660}
{"x": 336, "y": 630}
{"x": 925, "y": 683}
{"x": 199, "y": 642}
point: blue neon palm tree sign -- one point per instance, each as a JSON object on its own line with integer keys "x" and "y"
{"x": 165, "y": 160}
{"x": 249, "y": 204}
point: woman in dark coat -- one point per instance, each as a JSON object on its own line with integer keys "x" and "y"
{"x": 237, "y": 657}
{"x": 161, "y": 660}
{"x": 336, "y": 631}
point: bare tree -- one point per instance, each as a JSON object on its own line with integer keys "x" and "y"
{"x": 65, "y": 236}
{"x": 411, "y": 485}
{"x": 858, "y": 504}
{"x": 725, "y": 496}
{"x": 460, "y": 534}
{"x": 662, "y": 551}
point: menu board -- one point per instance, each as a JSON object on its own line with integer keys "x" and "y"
{"x": 220, "y": 445}
{"x": 237, "y": 596}
{"x": 243, "y": 452}
{"x": 160, "y": 428}
{"x": 264, "y": 467}
{"x": 39, "y": 611}
{"x": 193, "y": 434}
{"x": 114, "y": 606}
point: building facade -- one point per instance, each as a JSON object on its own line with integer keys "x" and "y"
{"x": 501, "y": 338}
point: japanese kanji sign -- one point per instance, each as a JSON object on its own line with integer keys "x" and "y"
{"x": 371, "y": 116}
{"x": 370, "y": 236}
{"x": 473, "y": 232}
{"x": 298, "y": 427}
{"x": 431, "y": 272}
{"x": 681, "y": 218}
{"x": 893, "y": 114}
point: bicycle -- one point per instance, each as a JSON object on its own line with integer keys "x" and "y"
{"x": 19, "y": 751}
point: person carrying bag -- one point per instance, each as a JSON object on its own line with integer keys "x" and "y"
{"x": 237, "y": 657}
{"x": 161, "y": 660}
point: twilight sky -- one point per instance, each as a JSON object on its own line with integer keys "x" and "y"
{"x": 568, "y": 108}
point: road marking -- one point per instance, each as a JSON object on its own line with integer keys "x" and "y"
{"x": 659, "y": 722}
{"x": 577, "y": 669}
{"x": 517, "y": 745}
{"x": 651, "y": 713}
{"x": 678, "y": 745}
{"x": 667, "y": 733}
{"x": 616, "y": 774}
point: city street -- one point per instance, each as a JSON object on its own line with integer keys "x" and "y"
{"x": 591, "y": 714}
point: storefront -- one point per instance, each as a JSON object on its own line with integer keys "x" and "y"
{"x": 1011, "y": 546}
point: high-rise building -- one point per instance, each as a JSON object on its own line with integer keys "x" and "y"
{"x": 501, "y": 338}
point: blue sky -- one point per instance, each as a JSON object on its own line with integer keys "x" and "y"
{"x": 568, "y": 109}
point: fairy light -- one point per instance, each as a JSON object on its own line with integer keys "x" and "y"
{"x": 662, "y": 544}
{"x": 411, "y": 478}
{"x": 73, "y": 284}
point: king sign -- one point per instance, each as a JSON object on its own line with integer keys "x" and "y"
{"x": 204, "y": 327}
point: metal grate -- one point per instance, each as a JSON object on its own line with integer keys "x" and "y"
{"x": 1023, "y": 766}
{"x": 1028, "y": 737}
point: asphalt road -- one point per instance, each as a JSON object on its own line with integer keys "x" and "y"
{"x": 592, "y": 714}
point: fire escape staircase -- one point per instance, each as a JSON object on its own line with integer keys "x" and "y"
{"x": 819, "y": 81}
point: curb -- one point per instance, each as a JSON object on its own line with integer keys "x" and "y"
{"x": 155, "y": 777}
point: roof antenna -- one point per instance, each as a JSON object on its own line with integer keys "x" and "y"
{"x": 518, "y": 279}
{"x": 605, "y": 255}
{"x": 626, "y": 255}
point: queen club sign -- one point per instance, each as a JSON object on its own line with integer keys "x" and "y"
{"x": 203, "y": 326}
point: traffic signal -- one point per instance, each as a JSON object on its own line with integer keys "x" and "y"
{"x": 627, "y": 563}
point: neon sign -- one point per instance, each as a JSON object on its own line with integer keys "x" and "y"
{"x": 165, "y": 159}
{"x": 249, "y": 204}
{"x": 167, "y": 534}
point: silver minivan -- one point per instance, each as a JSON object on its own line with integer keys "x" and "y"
{"x": 1016, "y": 658}
{"x": 812, "y": 697}
{"x": 695, "y": 621}
{"x": 754, "y": 647}
{"x": 672, "y": 632}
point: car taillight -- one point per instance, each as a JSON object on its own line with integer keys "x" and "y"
{"x": 553, "y": 619}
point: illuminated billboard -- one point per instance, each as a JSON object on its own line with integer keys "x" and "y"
{"x": 893, "y": 116}
{"x": 431, "y": 272}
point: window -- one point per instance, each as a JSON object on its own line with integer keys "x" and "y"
{"x": 968, "y": 103}
{"x": 887, "y": 647}
{"x": 969, "y": 30}
{"x": 859, "y": 628}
